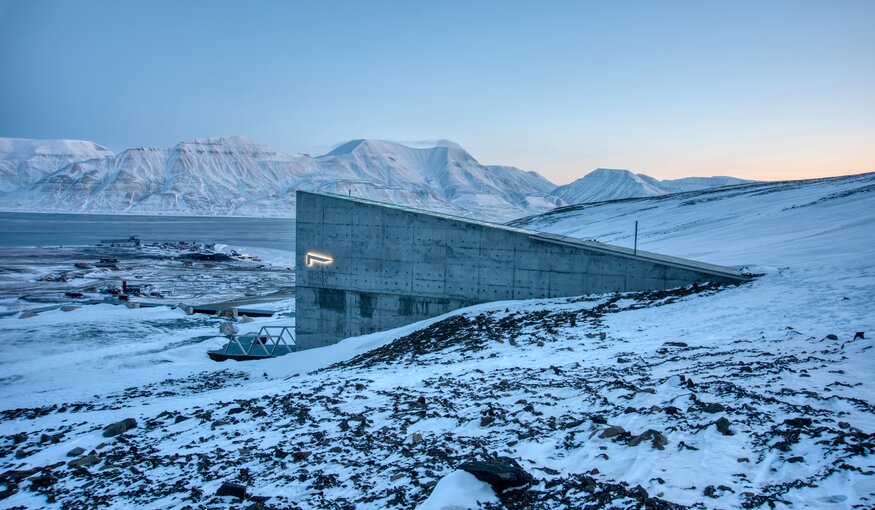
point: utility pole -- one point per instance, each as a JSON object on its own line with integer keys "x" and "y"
{"x": 635, "y": 251}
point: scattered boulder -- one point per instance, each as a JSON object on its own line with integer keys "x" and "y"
{"x": 228, "y": 329}
{"x": 832, "y": 337}
{"x": 722, "y": 424}
{"x": 19, "y": 438}
{"x": 88, "y": 460}
{"x": 235, "y": 490}
{"x": 303, "y": 455}
{"x": 501, "y": 473}
{"x": 76, "y": 452}
{"x": 598, "y": 419}
{"x": 69, "y": 308}
{"x": 712, "y": 407}
{"x": 43, "y": 481}
{"x": 51, "y": 438}
{"x": 27, "y": 314}
{"x": 486, "y": 421}
{"x": 798, "y": 422}
{"x": 119, "y": 427}
{"x": 657, "y": 439}
{"x": 844, "y": 425}
{"x": 180, "y": 418}
{"x": 859, "y": 334}
{"x": 611, "y": 432}
{"x": 794, "y": 460}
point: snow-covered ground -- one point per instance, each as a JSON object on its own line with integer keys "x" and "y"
{"x": 748, "y": 396}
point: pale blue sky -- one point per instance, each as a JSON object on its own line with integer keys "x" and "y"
{"x": 763, "y": 89}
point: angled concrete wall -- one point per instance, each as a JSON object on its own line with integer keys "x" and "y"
{"x": 391, "y": 266}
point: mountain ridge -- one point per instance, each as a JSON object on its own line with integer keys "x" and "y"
{"x": 238, "y": 176}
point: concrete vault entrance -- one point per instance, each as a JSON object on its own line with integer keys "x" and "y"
{"x": 365, "y": 266}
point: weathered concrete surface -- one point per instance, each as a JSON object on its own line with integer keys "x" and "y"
{"x": 393, "y": 265}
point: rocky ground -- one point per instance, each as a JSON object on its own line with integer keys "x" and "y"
{"x": 604, "y": 400}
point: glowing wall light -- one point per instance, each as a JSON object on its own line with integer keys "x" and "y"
{"x": 314, "y": 258}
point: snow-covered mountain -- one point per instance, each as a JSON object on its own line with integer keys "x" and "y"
{"x": 24, "y": 161}
{"x": 610, "y": 184}
{"x": 237, "y": 176}
{"x": 444, "y": 178}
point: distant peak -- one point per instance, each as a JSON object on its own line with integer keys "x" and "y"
{"x": 222, "y": 140}
{"x": 346, "y": 148}
{"x": 607, "y": 171}
{"x": 361, "y": 144}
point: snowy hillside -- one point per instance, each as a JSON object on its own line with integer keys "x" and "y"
{"x": 751, "y": 396}
{"x": 236, "y": 176}
{"x": 609, "y": 184}
{"x": 24, "y": 161}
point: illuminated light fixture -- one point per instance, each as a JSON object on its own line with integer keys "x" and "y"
{"x": 317, "y": 258}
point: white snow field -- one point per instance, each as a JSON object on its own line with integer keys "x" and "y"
{"x": 749, "y": 396}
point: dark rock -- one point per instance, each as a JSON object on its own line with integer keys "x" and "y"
{"x": 722, "y": 424}
{"x": 486, "y": 421}
{"x": 88, "y": 460}
{"x": 501, "y": 473}
{"x": 743, "y": 459}
{"x": 181, "y": 418}
{"x": 76, "y": 452}
{"x": 119, "y": 427}
{"x": 601, "y": 420}
{"x": 794, "y": 460}
{"x": 672, "y": 410}
{"x": 832, "y": 337}
{"x": 611, "y": 432}
{"x": 639, "y": 493}
{"x": 630, "y": 410}
{"x": 844, "y": 425}
{"x": 712, "y": 407}
{"x": 43, "y": 481}
{"x": 232, "y": 489}
{"x": 657, "y": 439}
{"x": 299, "y": 456}
{"x": 19, "y": 438}
{"x": 676, "y": 344}
{"x": 798, "y": 422}
{"x": 860, "y": 335}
